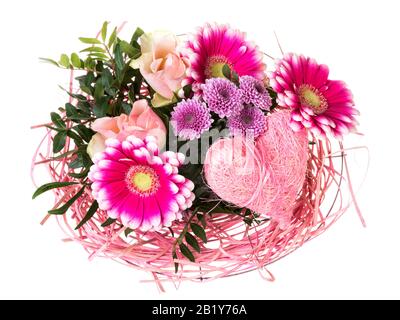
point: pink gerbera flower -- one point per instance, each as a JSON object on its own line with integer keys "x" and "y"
{"x": 139, "y": 186}
{"x": 216, "y": 45}
{"x": 324, "y": 106}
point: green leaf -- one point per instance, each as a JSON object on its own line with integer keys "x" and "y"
{"x": 128, "y": 231}
{"x": 176, "y": 264}
{"x": 98, "y": 90}
{"x": 50, "y": 186}
{"x": 84, "y": 132}
{"x": 76, "y": 61}
{"x": 126, "y": 107}
{"x": 94, "y": 49}
{"x": 57, "y": 120}
{"x": 100, "y": 108}
{"x": 80, "y": 175}
{"x": 89, "y": 214}
{"x": 64, "y": 60}
{"x": 132, "y": 52}
{"x": 187, "y": 90}
{"x": 138, "y": 33}
{"x": 90, "y": 40}
{"x": 70, "y": 110}
{"x": 186, "y": 252}
{"x": 68, "y": 204}
{"x": 104, "y": 31}
{"x": 108, "y": 222}
{"x": 113, "y": 37}
{"x": 98, "y": 56}
{"x": 73, "y": 135}
{"x": 199, "y": 231}
{"x": 59, "y": 141}
{"x": 202, "y": 220}
{"x": 51, "y": 61}
{"x": 192, "y": 242}
{"x": 226, "y": 71}
{"x": 119, "y": 60}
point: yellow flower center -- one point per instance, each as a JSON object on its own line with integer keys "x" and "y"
{"x": 214, "y": 67}
{"x": 312, "y": 98}
{"x": 142, "y": 180}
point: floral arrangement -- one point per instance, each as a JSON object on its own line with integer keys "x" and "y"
{"x": 182, "y": 156}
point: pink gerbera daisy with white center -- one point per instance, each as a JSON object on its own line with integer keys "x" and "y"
{"x": 324, "y": 106}
{"x": 216, "y": 45}
{"x": 139, "y": 186}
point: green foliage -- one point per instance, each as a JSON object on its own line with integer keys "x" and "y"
{"x": 52, "y": 185}
{"x": 92, "y": 210}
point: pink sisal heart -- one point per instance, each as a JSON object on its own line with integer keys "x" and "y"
{"x": 264, "y": 177}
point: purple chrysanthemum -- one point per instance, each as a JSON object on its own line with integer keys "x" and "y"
{"x": 190, "y": 119}
{"x": 254, "y": 92}
{"x": 222, "y": 97}
{"x": 250, "y": 121}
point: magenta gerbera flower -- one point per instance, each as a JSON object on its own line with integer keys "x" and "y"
{"x": 250, "y": 122}
{"x": 222, "y": 97}
{"x": 322, "y": 105}
{"x": 139, "y": 186}
{"x": 190, "y": 119}
{"x": 216, "y": 45}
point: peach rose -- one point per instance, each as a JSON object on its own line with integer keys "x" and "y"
{"x": 141, "y": 122}
{"x": 160, "y": 63}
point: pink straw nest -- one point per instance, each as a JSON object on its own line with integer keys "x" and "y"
{"x": 232, "y": 248}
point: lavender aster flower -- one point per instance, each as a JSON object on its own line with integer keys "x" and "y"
{"x": 254, "y": 91}
{"x": 222, "y": 97}
{"x": 190, "y": 118}
{"x": 249, "y": 121}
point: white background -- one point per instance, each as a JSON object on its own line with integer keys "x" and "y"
{"x": 359, "y": 40}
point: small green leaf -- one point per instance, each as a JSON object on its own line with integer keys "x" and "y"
{"x": 70, "y": 110}
{"x": 90, "y": 40}
{"x": 94, "y": 49}
{"x": 186, "y": 252}
{"x": 108, "y": 222}
{"x": 104, "y": 31}
{"x": 128, "y": 231}
{"x": 176, "y": 264}
{"x": 74, "y": 136}
{"x": 132, "y": 52}
{"x": 50, "y": 186}
{"x": 112, "y": 38}
{"x": 64, "y": 61}
{"x": 187, "y": 90}
{"x": 192, "y": 242}
{"x": 84, "y": 132}
{"x": 126, "y": 107}
{"x": 119, "y": 60}
{"x": 59, "y": 141}
{"x": 226, "y": 71}
{"x": 92, "y": 210}
{"x": 68, "y": 204}
{"x": 98, "y": 56}
{"x": 199, "y": 231}
{"x": 57, "y": 120}
{"x": 138, "y": 33}
{"x": 51, "y": 61}
{"x": 76, "y": 61}
{"x": 202, "y": 220}
{"x": 80, "y": 175}
{"x": 98, "y": 90}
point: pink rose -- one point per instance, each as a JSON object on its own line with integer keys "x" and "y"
{"x": 160, "y": 63}
{"x": 141, "y": 122}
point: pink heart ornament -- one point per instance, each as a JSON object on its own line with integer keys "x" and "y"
{"x": 264, "y": 176}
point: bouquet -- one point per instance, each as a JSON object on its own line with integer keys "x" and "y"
{"x": 182, "y": 156}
